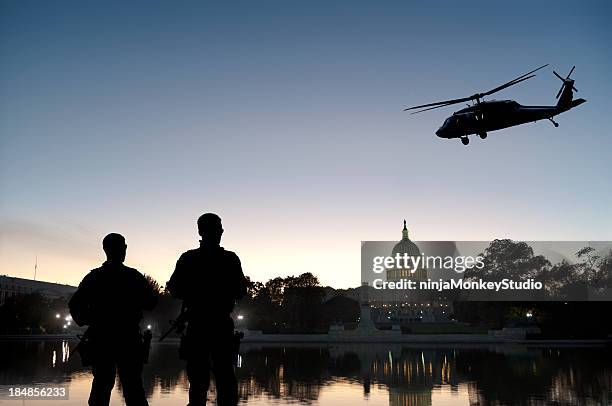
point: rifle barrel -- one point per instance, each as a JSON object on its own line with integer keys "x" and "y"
{"x": 166, "y": 334}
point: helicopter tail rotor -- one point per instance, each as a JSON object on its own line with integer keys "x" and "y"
{"x": 567, "y": 82}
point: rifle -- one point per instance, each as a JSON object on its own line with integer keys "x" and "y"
{"x": 177, "y": 324}
{"x": 84, "y": 348}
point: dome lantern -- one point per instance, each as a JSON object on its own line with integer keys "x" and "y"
{"x": 406, "y": 246}
{"x": 405, "y": 232}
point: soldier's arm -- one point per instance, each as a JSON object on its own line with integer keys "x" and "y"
{"x": 241, "y": 283}
{"x": 79, "y": 304}
{"x": 175, "y": 285}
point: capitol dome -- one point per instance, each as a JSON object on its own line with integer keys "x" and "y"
{"x": 405, "y": 246}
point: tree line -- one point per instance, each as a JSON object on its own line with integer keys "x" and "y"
{"x": 299, "y": 304}
{"x": 589, "y": 276}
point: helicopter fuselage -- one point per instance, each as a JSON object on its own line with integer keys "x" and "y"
{"x": 497, "y": 114}
{"x": 484, "y": 116}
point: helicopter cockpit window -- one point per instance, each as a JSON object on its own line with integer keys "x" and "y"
{"x": 450, "y": 121}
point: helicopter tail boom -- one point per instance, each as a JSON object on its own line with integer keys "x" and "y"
{"x": 571, "y": 104}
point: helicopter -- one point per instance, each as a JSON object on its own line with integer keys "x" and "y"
{"x": 483, "y": 116}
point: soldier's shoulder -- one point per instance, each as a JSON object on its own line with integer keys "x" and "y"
{"x": 189, "y": 254}
{"x": 231, "y": 255}
{"x": 228, "y": 252}
{"x": 133, "y": 272}
{"x": 93, "y": 274}
{"x": 95, "y": 271}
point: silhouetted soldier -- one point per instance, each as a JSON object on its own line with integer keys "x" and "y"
{"x": 209, "y": 280}
{"x": 110, "y": 300}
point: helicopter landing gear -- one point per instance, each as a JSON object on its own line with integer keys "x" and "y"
{"x": 482, "y": 136}
{"x": 465, "y": 140}
{"x": 554, "y": 122}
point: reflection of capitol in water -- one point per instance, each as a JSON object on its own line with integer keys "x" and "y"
{"x": 412, "y": 376}
{"x": 376, "y": 374}
{"x": 408, "y": 376}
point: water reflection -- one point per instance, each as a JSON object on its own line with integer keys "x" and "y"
{"x": 328, "y": 374}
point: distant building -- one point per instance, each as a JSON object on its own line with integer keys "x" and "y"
{"x": 401, "y": 306}
{"x": 11, "y": 286}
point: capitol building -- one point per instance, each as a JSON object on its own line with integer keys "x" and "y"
{"x": 405, "y": 306}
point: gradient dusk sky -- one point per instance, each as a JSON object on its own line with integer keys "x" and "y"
{"x": 286, "y": 119}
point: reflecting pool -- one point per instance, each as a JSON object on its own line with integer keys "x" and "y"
{"x": 347, "y": 374}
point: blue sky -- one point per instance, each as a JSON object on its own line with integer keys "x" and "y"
{"x": 286, "y": 119}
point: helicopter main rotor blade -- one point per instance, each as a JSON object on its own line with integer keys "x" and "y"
{"x": 476, "y": 96}
{"x": 431, "y": 108}
{"x": 505, "y": 85}
{"x": 519, "y": 79}
{"x": 440, "y": 103}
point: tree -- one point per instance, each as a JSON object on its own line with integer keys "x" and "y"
{"x": 341, "y": 308}
{"x": 594, "y": 269}
{"x": 274, "y": 290}
{"x": 305, "y": 280}
{"x": 157, "y": 288}
{"x": 294, "y": 302}
{"x": 253, "y": 287}
{"x": 27, "y": 313}
{"x": 509, "y": 259}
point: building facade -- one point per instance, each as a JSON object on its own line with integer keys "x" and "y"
{"x": 406, "y": 306}
{"x": 11, "y": 286}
